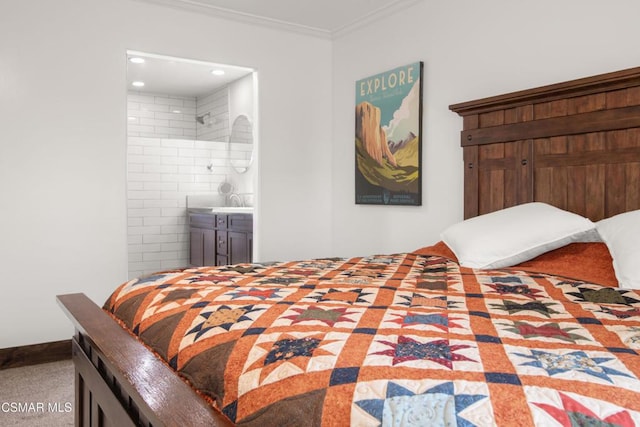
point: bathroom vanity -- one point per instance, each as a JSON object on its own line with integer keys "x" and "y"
{"x": 219, "y": 237}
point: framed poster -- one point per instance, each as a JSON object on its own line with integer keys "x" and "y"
{"x": 389, "y": 137}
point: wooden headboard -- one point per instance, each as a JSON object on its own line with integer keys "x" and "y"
{"x": 574, "y": 145}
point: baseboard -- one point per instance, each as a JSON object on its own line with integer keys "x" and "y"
{"x": 15, "y": 357}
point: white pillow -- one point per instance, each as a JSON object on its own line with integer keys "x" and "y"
{"x": 621, "y": 233}
{"x": 514, "y": 235}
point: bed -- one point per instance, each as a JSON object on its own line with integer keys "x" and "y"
{"x": 415, "y": 337}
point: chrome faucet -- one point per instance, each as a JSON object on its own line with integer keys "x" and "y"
{"x": 235, "y": 200}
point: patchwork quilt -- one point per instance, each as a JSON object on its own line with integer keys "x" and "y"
{"x": 402, "y": 339}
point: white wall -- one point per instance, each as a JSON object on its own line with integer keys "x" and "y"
{"x": 471, "y": 49}
{"x": 241, "y": 98}
{"x": 242, "y": 101}
{"x": 63, "y": 144}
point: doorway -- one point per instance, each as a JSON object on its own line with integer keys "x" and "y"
{"x": 179, "y": 123}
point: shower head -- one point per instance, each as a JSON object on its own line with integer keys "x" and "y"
{"x": 200, "y": 119}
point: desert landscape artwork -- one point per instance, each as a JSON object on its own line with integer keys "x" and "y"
{"x": 388, "y": 137}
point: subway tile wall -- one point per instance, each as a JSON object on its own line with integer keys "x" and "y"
{"x": 166, "y": 161}
{"x": 161, "y": 116}
{"x": 161, "y": 173}
{"x": 214, "y": 109}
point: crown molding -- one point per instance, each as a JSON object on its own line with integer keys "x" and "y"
{"x": 220, "y": 12}
{"x": 202, "y": 7}
{"x": 373, "y": 16}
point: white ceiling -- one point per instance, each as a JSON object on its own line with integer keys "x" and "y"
{"x": 323, "y": 18}
{"x": 179, "y": 76}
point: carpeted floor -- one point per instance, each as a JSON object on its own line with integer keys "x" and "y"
{"x": 39, "y": 395}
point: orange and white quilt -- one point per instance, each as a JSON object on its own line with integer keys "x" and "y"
{"x": 402, "y": 339}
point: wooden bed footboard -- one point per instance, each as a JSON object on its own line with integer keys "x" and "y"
{"x": 119, "y": 382}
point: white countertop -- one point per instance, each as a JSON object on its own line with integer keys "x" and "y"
{"x": 221, "y": 209}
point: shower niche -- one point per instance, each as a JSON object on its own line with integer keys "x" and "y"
{"x": 179, "y": 125}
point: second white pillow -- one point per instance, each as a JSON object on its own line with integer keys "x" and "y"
{"x": 621, "y": 233}
{"x": 514, "y": 235}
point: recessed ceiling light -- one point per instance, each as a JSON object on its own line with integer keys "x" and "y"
{"x": 136, "y": 60}
{"x": 217, "y": 72}
{"x": 132, "y": 119}
{"x": 176, "y": 111}
{"x": 137, "y": 84}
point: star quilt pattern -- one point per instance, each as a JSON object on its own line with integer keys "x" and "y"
{"x": 402, "y": 339}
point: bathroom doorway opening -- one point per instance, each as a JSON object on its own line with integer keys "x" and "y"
{"x": 180, "y": 152}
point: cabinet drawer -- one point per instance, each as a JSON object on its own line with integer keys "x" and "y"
{"x": 221, "y": 221}
{"x": 240, "y": 222}
{"x": 202, "y": 220}
{"x": 221, "y": 242}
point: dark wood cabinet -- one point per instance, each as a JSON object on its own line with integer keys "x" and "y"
{"x": 239, "y": 247}
{"x": 220, "y": 239}
{"x": 201, "y": 239}
{"x": 202, "y": 250}
{"x": 239, "y": 238}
